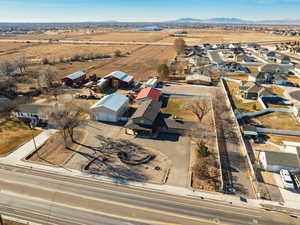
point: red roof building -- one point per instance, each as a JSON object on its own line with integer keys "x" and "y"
{"x": 148, "y": 93}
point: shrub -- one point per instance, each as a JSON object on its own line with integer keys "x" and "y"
{"x": 202, "y": 149}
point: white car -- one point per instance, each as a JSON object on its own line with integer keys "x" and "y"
{"x": 286, "y": 179}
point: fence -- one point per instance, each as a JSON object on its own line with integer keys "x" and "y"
{"x": 262, "y": 112}
{"x": 255, "y": 183}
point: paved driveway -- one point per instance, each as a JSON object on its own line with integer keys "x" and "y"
{"x": 178, "y": 151}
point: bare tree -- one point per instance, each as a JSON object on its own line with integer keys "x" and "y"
{"x": 47, "y": 76}
{"x": 118, "y": 53}
{"x": 179, "y": 45}
{"x": 6, "y": 68}
{"x": 21, "y": 63}
{"x": 67, "y": 117}
{"x": 198, "y": 106}
{"x": 163, "y": 71}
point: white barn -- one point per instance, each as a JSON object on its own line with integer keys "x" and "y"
{"x": 110, "y": 108}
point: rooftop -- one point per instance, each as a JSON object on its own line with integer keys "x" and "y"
{"x": 75, "y": 75}
{"x": 149, "y": 109}
{"x": 113, "y": 102}
{"x": 282, "y": 159}
{"x": 151, "y": 93}
{"x": 120, "y": 76}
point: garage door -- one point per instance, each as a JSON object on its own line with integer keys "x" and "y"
{"x": 106, "y": 117}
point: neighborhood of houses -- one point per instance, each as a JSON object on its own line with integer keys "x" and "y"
{"x": 260, "y": 84}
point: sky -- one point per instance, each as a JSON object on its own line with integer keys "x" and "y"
{"x": 144, "y": 10}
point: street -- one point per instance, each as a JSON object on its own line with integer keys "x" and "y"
{"x": 60, "y": 199}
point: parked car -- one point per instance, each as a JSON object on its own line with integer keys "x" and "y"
{"x": 286, "y": 179}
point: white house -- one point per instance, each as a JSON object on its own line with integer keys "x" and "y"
{"x": 35, "y": 113}
{"x": 275, "y": 161}
{"x": 110, "y": 108}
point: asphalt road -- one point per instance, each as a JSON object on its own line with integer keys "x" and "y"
{"x": 57, "y": 199}
{"x": 116, "y": 42}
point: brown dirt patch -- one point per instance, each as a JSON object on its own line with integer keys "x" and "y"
{"x": 54, "y": 151}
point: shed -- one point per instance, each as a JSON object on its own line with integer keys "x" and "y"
{"x": 151, "y": 82}
{"x": 74, "y": 78}
{"x": 119, "y": 78}
{"x": 110, "y": 108}
{"x": 275, "y": 161}
{"x": 148, "y": 94}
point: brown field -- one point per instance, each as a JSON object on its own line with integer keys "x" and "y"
{"x": 36, "y": 52}
{"x": 13, "y": 134}
{"x": 280, "y": 121}
{"x": 5, "y": 48}
{"x": 222, "y": 36}
{"x": 136, "y": 36}
{"x": 141, "y": 64}
{"x": 175, "y": 108}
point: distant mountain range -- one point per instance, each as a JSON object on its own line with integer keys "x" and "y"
{"x": 236, "y": 21}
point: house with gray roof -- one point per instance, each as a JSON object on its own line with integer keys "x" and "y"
{"x": 110, "y": 108}
{"x": 275, "y": 161}
{"x": 143, "y": 120}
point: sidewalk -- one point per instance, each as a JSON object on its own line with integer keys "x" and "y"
{"x": 16, "y": 159}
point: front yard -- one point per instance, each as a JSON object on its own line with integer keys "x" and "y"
{"x": 14, "y": 133}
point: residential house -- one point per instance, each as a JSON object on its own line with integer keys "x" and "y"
{"x": 253, "y": 45}
{"x": 198, "y": 78}
{"x": 119, "y": 78}
{"x": 110, "y": 108}
{"x": 232, "y": 67}
{"x": 271, "y": 56}
{"x": 261, "y": 78}
{"x": 148, "y": 94}
{"x": 284, "y": 59}
{"x": 34, "y": 113}
{"x": 244, "y": 58}
{"x": 263, "y": 52}
{"x": 74, "y": 78}
{"x": 273, "y": 68}
{"x": 251, "y": 90}
{"x": 275, "y": 161}
{"x": 143, "y": 120}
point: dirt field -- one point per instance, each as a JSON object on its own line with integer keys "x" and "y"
{"x": 222, "y": 36}
{"x": 138, "y": 36}
{"x": 13, "y": 134}
{"x": 284, "y": 121}
{"x": 54, "y": 151}
{"x": 36, "y": 52}
{"x": 141, "y": 64}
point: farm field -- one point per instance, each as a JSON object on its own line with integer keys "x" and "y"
{"x": 36, "y": 52}
{"x": 222, "y": 36}
{"x": 141, "y": 64}
{"x": 136, "y": 36}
